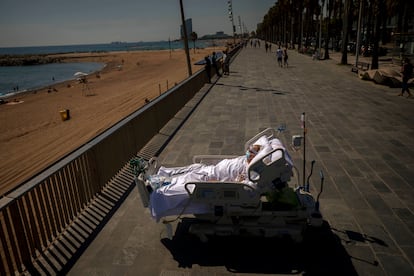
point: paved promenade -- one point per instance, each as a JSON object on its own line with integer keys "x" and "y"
{"x": 359, "y": 133}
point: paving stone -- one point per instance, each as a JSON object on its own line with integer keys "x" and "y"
{"x": 395, "y": 265}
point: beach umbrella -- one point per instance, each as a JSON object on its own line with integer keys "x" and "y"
{"x": 80, "y": 74}
{"x": 81, "y": 77}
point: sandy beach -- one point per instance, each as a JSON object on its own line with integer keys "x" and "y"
{"x": 32, "y": 133}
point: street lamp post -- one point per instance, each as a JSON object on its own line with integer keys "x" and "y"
{"x": 229, "y": 2}
{"x": 240, "y": 27}
{"x": 187, "y": 52}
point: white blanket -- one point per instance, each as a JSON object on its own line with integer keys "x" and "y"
{"x": 172, "y": 199}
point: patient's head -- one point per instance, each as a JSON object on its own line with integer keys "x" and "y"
{"x": 252, "y": 152}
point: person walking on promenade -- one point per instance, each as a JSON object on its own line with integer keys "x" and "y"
{"x": 207, "y": 67}
{"x": 226, "y": 63}
{"x": 407, "y": 71}
{"x": 214, "y": 63}
{"x": 279, "y": 54}
{"x": 285, "y": 58}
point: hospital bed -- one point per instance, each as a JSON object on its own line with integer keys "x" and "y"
{"x": 265, "y": 205}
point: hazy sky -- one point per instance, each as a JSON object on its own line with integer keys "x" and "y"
{"x": 63, "y": 22}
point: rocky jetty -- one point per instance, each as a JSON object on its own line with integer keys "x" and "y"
{"x": 21, "y": 60}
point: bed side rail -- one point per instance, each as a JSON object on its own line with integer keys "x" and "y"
{"x": 222, "y": 193}
{"x": 264, "y": 171}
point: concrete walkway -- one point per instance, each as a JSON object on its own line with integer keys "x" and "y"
{"x": 359, "y": 133}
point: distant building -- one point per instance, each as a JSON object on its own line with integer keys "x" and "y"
{"x": 188, "y": 26}
{"x": 217, "y": 35}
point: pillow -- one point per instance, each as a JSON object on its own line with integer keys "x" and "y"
{"x": 277, "y": 144}
{"x": 263, "y": 151}
{"x": 262, "y": 141}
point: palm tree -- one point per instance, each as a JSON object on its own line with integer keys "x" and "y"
{"x": 298, "y": 18}
{"x": 194, "y": 37}
{"x": 346, "y": 26}
{"x": 300, "y": 22}
{"x": 328, "y": 29}
{"x": 378, "y": 11}
{"x": 187, "y": 53}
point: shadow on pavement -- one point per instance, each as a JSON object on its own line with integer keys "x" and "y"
{"x": 258, "y": 89}
{"x": 320, "y": 253}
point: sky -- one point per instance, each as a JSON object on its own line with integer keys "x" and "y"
{"x": 67, "y": 22}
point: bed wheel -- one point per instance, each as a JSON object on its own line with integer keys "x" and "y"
{"x": 203, "y": 238}
{"x": 297, "y": 238}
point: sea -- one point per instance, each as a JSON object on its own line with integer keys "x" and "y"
{"x": 18, "y": 79}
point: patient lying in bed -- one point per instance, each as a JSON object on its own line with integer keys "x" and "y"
{"x": 172, "y": 198}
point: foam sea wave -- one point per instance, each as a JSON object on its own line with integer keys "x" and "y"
{"x": 18, "y": 79}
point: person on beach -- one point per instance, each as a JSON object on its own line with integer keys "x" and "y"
{"x": 279, "y": 54}
{"x": 407, "y": 71}
{"x": 285, "y": 58}
{"x": 207, "y": 67}
{"x": 214, "y": 63}
{"x": 226, "y": 63}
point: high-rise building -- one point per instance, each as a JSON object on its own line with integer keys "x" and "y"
{"x": 188, "y": 26}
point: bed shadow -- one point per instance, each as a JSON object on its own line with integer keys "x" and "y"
{"x": 320, "y": 253}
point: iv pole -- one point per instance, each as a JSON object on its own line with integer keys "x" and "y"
{"x": 302, "y": 118}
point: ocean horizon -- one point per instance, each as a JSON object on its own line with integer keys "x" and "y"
{"x": 18, "y": 79}
{"x": 101, "y": 47}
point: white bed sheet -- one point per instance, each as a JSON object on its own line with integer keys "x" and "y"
{"x": 173, "y": 199}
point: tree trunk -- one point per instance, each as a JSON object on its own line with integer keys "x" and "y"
{"x": 345, "y": 28}
{"x": 300, "y": 25}
{"x": 377, "y": 33}
{"x": 187, "y": 53}
{"x": 328, "y": 37}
